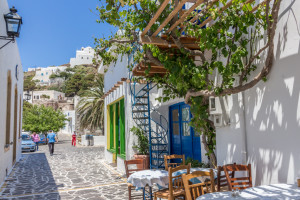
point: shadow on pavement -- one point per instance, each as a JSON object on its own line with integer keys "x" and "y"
{"x": 31, "y": 178}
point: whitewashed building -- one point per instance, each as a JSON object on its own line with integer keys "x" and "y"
{"x": 127, "y": 105}
{"x": 11, "y": 99}
{"x": 44, "y": 95}
{"x": 84, "y": 56}
{"x": 260, "y": 126}
{"x": 42, "y": 75}
{"x": 69, "y": 127}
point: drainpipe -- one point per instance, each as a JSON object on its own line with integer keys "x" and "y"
{"x": 244, "y": 136}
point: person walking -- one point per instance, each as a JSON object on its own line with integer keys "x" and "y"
{"x": 74, "y": 139}
{"x": 36, "y": 139}
{"x": 51, "y": 139}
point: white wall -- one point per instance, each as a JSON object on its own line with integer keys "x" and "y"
{"x": 54, "y": 95}
{"x": 9, "y": 58}
{"x": 69, "y": 123}
{"x": 272, "y": 112}
{"x": 83, "y": 56}
{"x": 115, "y": 72}
{"x": 113, "y": 75}
{"x": 43, "y": 74}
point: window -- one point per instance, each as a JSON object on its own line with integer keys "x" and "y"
{"x": 8, "y": 111}
{"x": 212, "y": 103}
{"x": 116, "y": 125}
{"x": 81, "y": 57}
{"x": 46, "y": 73}
{"x": 42, "y": 74}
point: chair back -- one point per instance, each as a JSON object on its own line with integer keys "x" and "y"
{"x": 175, "y": 182}
{"x": 132, "y": 166}
{"x": 240, "y": 182}
{"x": 221, "y": 178}
{"x": 168, "y": 163}
{"x": 192, "y": 191}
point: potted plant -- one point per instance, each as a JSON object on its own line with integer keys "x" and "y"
{"x": 196, "y": 163}
{"x": 142, "y": 146}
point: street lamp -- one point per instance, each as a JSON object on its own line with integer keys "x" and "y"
{"x": 13, "y": 25}
{"x": 27, "y": 96}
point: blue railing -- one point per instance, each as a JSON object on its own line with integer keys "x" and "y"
{"x": 141, "y": 114}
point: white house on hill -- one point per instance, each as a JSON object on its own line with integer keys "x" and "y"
{"x": 84, "y": 56}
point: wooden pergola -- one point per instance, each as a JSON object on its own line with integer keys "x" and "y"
{"x": 160, "y": 36}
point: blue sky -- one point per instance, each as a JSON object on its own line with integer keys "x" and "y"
{"x": 54, "y": 29}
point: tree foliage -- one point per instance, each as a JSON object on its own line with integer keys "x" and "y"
{"x": 29, "y": 84}
{"x": 42, "y": 119}
{"x": 91, "y": 107}
{"x": 235, "y": 52}
{"x": 76, "y": 80}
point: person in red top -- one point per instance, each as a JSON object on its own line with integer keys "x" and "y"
{"x": 74, "y": 139}
{"x": 36, "y": 139}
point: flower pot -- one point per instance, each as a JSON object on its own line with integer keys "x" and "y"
{"x": 144, "y": 157}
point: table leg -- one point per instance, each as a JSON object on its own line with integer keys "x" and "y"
{"x": 147, "y": 194}
{"x": 150, "y": 190}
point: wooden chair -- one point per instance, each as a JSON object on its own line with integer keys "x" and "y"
{"x": 240, "y": 182}
{"x": 192, "y": 191}
{"x": 176, "y": 187}
{"x": 168, "y": 158}
{"x": 132, "y": 166}
{"x": 222, "y": 184}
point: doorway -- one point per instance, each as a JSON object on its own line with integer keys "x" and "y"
{"x": 184, "y": 140}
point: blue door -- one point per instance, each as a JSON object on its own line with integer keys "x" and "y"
{"x": 183, "y": 138}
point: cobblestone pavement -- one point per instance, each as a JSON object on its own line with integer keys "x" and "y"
{"x": 71, "y": 173}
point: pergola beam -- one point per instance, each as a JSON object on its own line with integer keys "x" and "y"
{"x": 187, "y": 42}
{"x": 152, "y": 70}
{"x": 157, "y": 14}
{"x": 182, "y": 18}
{"x": 220, "y": 11}
{"x": 260, "y": 4}
{"x": 168, "y": 19}
{"x": 197, "y": 16}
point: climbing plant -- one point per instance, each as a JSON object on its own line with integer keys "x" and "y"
{"x": 236, "y": 49}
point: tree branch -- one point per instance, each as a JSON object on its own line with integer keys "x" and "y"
{"x": 152, "y": 59}
{"x": 264, "y": 72}
{"x": 189, "y": 51}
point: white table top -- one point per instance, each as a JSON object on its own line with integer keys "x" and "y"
{"x": 149, "y": 177}
{"x": 161, "y": 177}
{"x": 265, "y": 192}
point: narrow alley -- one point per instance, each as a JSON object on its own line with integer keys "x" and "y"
{"x": 71, "y": 173}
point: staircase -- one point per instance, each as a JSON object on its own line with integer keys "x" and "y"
{"x": 154, "y": 129}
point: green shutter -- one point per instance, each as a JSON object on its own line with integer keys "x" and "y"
{"x": 122, "y": 128}
{"x": 117, "y": 139}
{"x": 111, "y": 110}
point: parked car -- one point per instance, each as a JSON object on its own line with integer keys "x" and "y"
{"x": 27, "y": 144}
{"x": 25, "y": 133}
{"x": 43, "y": 139}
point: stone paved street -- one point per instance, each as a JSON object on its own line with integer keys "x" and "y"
{"x": 72, "y": 173}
